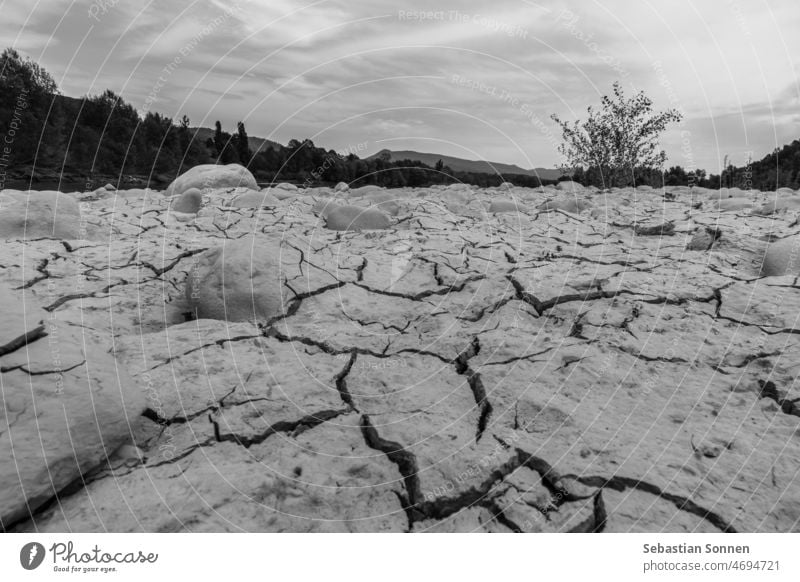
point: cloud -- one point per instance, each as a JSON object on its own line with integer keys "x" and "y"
{"x": 350, "y": 71}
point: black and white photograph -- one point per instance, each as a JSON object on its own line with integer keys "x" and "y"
{"x": 385, "y": 267}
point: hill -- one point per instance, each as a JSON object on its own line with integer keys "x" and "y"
{"x": 464, "y": 165}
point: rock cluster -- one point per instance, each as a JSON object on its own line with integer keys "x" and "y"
{"x": 318, "y": 363}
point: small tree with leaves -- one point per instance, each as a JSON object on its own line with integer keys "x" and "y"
{"x": 243, "y": 144}
{"x": 615, "y": 140}
{"x": 219, "y": 138}
{"x": 18, "y": 75}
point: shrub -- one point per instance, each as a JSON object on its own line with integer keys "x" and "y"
{"x": 618, "y": 139}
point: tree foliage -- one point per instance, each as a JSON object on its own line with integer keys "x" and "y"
{"x": 616, "y": 139}
{"x": 18, "y": 75}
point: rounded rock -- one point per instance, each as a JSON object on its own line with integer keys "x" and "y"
{"x": 211, "y": 176}
{"x": 782, "y": 258}
{"x": 356, "y": 218}
{"x": 324, "y": 206}
{"x": 239, "y": 280}
{"x": 569, "y": 186}
{"x": 190, "y": 202}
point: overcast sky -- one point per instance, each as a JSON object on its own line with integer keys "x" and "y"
{"x": 473, "y": 79}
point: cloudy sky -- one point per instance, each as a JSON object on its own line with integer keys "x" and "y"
{"x": 473, "y": 79}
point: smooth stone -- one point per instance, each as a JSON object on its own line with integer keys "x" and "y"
{"x": 239, "y": 280}
{"x": 782, "y": 258}
{"x": 356, "y": 218}
{"x": 212, "y": 176}
{"x": 190, "y": 202}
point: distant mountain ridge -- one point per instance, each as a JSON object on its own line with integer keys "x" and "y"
{"x": 464, "y": 165}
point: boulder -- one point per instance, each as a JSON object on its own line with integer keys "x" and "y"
{"x": 324, "y": 206}
{"x": 255, "y": 199}
{"x": 341, "y": 187}
{"x": 190, "y": 202}
{"x": 286, "y": 187}
{"x": 498, "y": 205}
{"x": 356, "y": 218}
{"x": 31, "y": 215}
{"x": 67, "y": 405}
{"x": 210, "y": 176}
{"x": 239, "y": 280}
{"x": 782, "y": 258}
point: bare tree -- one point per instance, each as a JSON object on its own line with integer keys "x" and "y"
{"x": 615, "y": 140}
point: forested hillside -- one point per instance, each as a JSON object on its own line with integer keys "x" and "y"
{"x": 51, "y": 137}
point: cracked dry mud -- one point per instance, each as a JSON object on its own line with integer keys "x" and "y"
{"x": 533, "y": 370}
